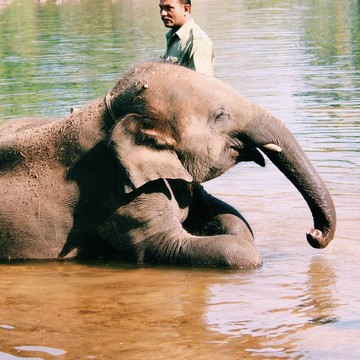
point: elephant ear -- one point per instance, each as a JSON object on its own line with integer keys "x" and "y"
{"x": 144, "y": 151}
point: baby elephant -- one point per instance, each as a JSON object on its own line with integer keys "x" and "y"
{"x": 122, "y": 175}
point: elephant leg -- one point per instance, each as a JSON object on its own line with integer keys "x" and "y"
{"x": 213, "y": 234}
{"x": 211, "y": 216}
{"x": 175, "y": 248}
{"x": 220, "y": 251}
{"x": 228, "y": 234}
{"x": 231, "y": 224}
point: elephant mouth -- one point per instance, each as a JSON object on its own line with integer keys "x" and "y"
{"x": 247, "y": 150}
{"x": 242, "y": 152}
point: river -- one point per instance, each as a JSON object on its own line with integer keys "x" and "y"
{"x": 298, "y": 58}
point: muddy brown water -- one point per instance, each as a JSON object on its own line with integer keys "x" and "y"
{"x": 299, "y": 59}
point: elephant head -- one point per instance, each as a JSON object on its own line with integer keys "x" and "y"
{"x": 171, "y": 122}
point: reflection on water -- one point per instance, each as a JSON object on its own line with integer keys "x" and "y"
{"x": 301, "y": 60}
{"x": 300, "y": 303}
{"x": 94, "y": 310}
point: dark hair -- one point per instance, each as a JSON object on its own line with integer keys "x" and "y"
{"x": 186, "y": 2}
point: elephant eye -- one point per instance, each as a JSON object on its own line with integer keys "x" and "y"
{"x": 221, "y": 115}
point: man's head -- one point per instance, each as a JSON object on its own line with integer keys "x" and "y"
{"x": 175, "y": 13}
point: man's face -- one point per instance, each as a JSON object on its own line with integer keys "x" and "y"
{"x": 173, "y": 13}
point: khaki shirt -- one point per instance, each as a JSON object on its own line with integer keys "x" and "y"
{"x": 191, "y": 47}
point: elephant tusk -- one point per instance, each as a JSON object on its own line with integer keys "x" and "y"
{"x": 108, "y": 106}
{"x": 272, "y": 147}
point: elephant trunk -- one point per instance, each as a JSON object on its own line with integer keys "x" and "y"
{"x": 283, "y": 150}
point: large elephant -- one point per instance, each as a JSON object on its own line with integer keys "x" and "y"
{"x": 122, "y": 175}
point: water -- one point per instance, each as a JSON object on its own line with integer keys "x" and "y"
{"x": 299, "y": 59}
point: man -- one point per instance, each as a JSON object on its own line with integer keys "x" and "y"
{"x": 187, "y": 43}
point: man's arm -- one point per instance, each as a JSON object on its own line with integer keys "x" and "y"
{"x": 202, "y": 57}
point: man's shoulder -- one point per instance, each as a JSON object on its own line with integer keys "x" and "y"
{"x": 199, "y": 33}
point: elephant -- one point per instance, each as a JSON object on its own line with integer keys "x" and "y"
{"x": 123, "y": 176}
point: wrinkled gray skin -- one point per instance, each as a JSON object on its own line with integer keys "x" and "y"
{"x": 91, "y": 185}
